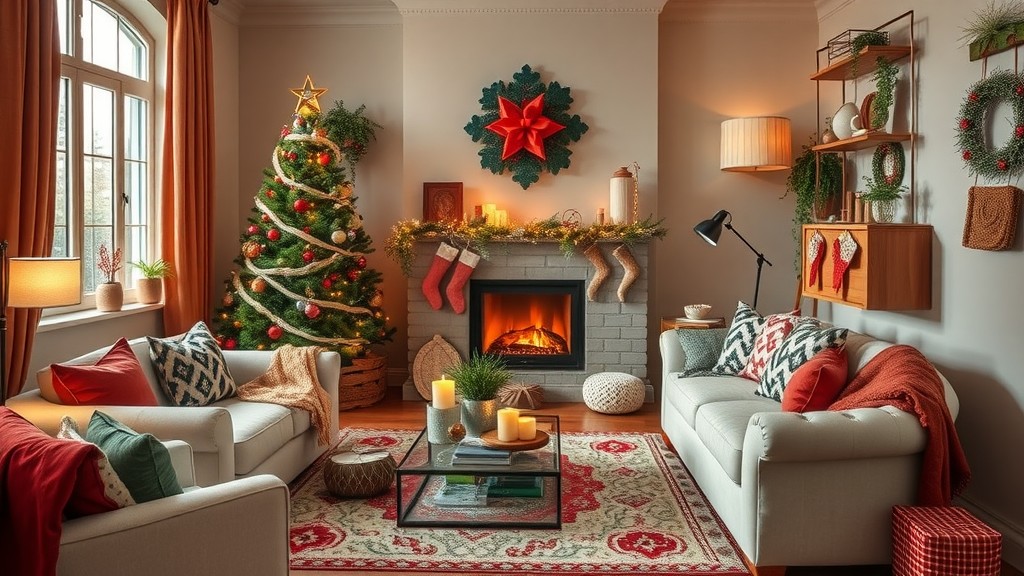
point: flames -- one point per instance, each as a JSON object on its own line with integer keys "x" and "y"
{"x": 518, "y": 324}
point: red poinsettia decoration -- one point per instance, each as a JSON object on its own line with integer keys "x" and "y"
{"x": 525, "y": 127}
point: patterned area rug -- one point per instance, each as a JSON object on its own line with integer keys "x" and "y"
{"x": 628, "y": 507}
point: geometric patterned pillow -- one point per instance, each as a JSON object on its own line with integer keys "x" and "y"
{"x": 702, "y": 348}
{"x": 739, "y": 341}
{"x": 113, "y": 487}
{"x": 807, "y": 339}
{"x": 776, "y": 328}
{"x": 191, "y": 371}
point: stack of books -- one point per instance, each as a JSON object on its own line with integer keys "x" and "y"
{"x": 515, "y": 486}
{"x": 462, "y": 495}
{"x": 476, "y": 455}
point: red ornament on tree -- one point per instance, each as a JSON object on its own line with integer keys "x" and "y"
{"x": 253, "y": 229}
{"x": 1001, "y": 164}
{"x": 323, "y": 158}
{"x": 353, "y": 274}
{"x": 273, "y": 234}
{"x": 965, "y": 124}
{"x": 269, "y": 192}
{"x": 306, "y": 229}
{"x": 301, "y": 205}
{"x": 308, "y": 256}
{"x": 274, "y": 332}
{"x": 285, "y": 131}
{"x": 293, "y": 156}
{"x": 525, "y": 127}
{"x": 230, "y": 344}
{"x": 326, "y": 283}
{"x": 361, "y": 262}
{"x": 278, "y": 180}
{"x": 265, "y": 217}
{"x": 312, "y": 311}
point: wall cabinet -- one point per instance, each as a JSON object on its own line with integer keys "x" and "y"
{"x": 891, "y": 270}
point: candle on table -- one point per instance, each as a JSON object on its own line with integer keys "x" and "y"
{"x": 508, "y": 425}
{"x": 527, "y": 427}
{"x": 442, "y": 393}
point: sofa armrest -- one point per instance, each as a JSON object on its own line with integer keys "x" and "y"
{"x": 673, "y": 357}
{"x": 840, "y": 435}
{"x": 153, "y": 538}
{"x": 181, "y": 461}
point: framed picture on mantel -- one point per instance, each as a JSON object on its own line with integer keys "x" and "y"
{"x": 442, "y": 201}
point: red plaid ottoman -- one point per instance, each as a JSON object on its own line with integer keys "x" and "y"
{"x": 943, "y": 541}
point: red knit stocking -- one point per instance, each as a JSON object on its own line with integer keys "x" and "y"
{"x": 463, "y": 270}
{"x": 843, "y": 250}
{"x": 815, "y": 256}
{"x": 442, "y": 260}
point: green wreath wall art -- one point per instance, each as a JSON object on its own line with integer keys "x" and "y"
{"x": 992, "y": 163}
{"x": 525, "y": 127}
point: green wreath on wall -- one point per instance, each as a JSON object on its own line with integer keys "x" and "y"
{"x": 992, "y": 163}
{"x": 525, "y": 127}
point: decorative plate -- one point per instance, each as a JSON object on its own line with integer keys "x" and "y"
{"x": 433, "y": 359}
{"x": 490, "y": 438}
{"x": 865, "y": 111}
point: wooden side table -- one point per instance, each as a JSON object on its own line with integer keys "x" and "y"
{"x": 674, "y": 323}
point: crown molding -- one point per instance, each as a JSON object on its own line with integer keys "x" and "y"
{"x": 319, "y": 14}
{"x": 456, "y": 7}
{"x": 829, "y": 8}
{"x": 229, "y": 11}
{"x": 746, "y": 11}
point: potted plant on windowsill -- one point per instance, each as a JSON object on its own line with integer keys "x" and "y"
{"x": 883, "y": 197}
{"x": 149, "y": 288}
{"x": 477, "y": 381}
{"x": 109, "y": 294}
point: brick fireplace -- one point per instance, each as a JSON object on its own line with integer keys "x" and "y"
{"x": 615, "y": 334}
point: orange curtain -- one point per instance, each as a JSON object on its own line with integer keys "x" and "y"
{"x": 188, "y": 178}
{"x": 30, "y": 60}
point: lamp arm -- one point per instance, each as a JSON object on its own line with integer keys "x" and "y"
{"x": 760, "y": 257}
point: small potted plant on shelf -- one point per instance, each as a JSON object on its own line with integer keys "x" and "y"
{"x": 883, "y": 197}
{"x": 109, "y": 294}
{"x": 150, "y": 286}
{"x": 862, "y": 41}
{"x": 477, "y": 381}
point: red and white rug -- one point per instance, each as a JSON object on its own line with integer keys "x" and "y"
{"x": 628, "y": 507}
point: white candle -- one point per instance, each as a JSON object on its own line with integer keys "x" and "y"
{"x": 527, "y": 427}
{"x": 489, "y": 213}
{"x": 508, "y": 425}
{"x": 501, "y": 217}
{"x": 442, "y": 393}
{"x": 618, "y": 201}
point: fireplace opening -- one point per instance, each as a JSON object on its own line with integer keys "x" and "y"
{"x": 531, "y": 324}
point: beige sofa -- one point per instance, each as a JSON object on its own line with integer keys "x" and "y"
{"x": 811, "y": 489}
{"x": 230, "y": 439}
{"x": 198, "y": 532}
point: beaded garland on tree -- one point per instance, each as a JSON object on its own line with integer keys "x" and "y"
{"x": 992, "y": 163}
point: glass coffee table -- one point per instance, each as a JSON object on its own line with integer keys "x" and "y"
{"x": 527, "y": 493}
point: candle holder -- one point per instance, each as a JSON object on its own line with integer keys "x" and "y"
{"x": 439, "y": 421}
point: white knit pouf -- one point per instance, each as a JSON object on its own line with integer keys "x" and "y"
{"x": 613, "y": 392}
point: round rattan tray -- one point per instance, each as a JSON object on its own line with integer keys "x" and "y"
{"x": 490, "y": 438}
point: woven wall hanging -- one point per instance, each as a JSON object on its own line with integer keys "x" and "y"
{"x": 992, "y": 215}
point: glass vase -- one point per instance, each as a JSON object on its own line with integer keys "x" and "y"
{"x": 883, "y": 211}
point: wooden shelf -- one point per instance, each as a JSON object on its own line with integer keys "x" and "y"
{"x": 866, "y": 140}
{"x": 840, "y": 70}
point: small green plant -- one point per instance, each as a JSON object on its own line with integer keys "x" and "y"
{"x": 881, "y": 191}
{"x": 351, "y": 131}
{"x": 992, "y": 20}
{"x": 158, "y": 268}
{"x": 861, "y": 41}
{"x": 480, "y": 377}
{"x": 810, "y": 190}
{"x": 885, "y": 87}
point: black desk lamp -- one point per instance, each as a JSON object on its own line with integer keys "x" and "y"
{"x": 711, "y": 230}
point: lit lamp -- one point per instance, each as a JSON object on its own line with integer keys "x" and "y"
{"x": 711, "y": 230}
{"x": 759, "y": 144}
{"x": 34, "y": 283}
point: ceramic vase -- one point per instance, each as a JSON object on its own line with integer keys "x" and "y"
{"x": 479, "y": 416}
{"x": 841, "y": 120}
{"x": 149, "y": 290}
{"x": 109, "y": 297}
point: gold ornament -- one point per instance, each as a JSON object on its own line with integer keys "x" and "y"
{"x": 457, "y": 432}
{"x": 251, "y": 249}
{"x": 344, "y": 190}
{"x": 377, "y": 299}
{"x": 258, "y": 285}
{"x": 308, "y": 97}
{"x": 229, "y": 299}
{"x": 237, "y": 324}
{"x": 339, "y": 236}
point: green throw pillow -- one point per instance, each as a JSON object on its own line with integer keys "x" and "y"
{"x": 140, "y": 460}
{"x": 702, "y": 348}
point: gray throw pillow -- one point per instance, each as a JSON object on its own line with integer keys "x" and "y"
{"x": 702, "y": 348}
{"x": 191, "y": 371}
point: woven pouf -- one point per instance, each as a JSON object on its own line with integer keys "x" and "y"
{"x": 613, "y": 392}
{"x": 518, "y": 395}
{"x": 354, "y": 475}
{"x": 943, "y": 540}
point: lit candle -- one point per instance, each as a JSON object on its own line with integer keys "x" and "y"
{"x": 501, "y": 217}
{"x": 442, "y": 393}
{"x": 527, "y": 427}
{"x": 508, "y": 425}
{"x": 489, "y": 210}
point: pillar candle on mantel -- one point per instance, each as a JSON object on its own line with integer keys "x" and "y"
{"x": 527, "y": 427}
{"x": 508, "y": 425}
{"x": 489, "y": 213}
{"x": 442, "y": 393}
{"x": 618, "y": 200}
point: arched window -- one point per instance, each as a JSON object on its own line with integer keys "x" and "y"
{"x": 105, "y": 140}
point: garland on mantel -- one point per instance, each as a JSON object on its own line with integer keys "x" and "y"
{"x": 477, "y": 235}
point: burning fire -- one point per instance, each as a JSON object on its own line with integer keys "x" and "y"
{"x": 546, "y": 317}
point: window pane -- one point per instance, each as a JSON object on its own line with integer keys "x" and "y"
{"x": 95, "y": 236}
{"x": 61, "y": 231}
{"x": 132, "y": 51}
{"x": 135, "y": 124}
{"x": 136, "y": 181}
{"x": 99, "y": 193}
{"x": 62, "y": 26}
{"x": 98, "y": 129}
{"x": 99, "y": 35}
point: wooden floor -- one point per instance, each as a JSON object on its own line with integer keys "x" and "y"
{"x": 392, "y": 412}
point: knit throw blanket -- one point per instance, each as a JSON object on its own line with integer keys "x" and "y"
{"x": 900, "y": 376}
{"x": 291, "y": 381}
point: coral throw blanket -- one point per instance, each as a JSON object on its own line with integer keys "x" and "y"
{"x": 902, "y": 377}
{"x": 291, "y": 381}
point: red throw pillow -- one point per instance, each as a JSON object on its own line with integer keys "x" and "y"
{"x": 115, "y": 380}
{"x": 817, "y": 382}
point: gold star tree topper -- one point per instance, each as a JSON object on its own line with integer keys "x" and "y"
{"x": 308, "y": 97}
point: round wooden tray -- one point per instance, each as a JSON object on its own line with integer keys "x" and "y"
{"x": 490, "y": 438}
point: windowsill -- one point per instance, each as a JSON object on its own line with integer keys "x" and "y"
{"x": 59, "y": 321}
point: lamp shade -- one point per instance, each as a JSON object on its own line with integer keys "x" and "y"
{"x": 756, "y": 144}
{"x": 711, "y": 229}
{"x": 44, "y": 282}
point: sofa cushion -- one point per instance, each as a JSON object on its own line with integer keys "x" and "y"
{"x": 739, "y": 341}
{"x": 113, "y": 487}
{"x": 687, "y": 395}
{"x": 260, "y": 429}
{"x": 775, "y": 330}
{"x": 702, "y": 348}
{"x": 116, "y": 379}
{"x": 140, "y": 460}
{"x": 721, "y": 427}
{"x": 806, "y": 340}
{"x": 191, "y": 371}
{"x": 817, "y": 383}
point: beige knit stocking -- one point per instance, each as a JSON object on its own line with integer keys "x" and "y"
{"x": 601, "y": 270}
{"x": 632, "y": 269}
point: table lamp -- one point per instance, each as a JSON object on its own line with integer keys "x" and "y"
{"x": 711, "y": 230}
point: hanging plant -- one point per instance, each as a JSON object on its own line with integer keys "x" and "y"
{"x": 812, "y": 192}
{"x": 992, "y": 163}
{"x": 885, "y": 87}
{"x": 526, "y": 128}
{"x": 351, "y": 130}
{"x": 861, "y": 41}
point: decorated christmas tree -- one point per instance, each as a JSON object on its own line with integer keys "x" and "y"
{"x": 302, "y": 275}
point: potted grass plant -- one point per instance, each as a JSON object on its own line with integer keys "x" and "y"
{"x": 477, "y": 381}
{"x": 150, "y": 287}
